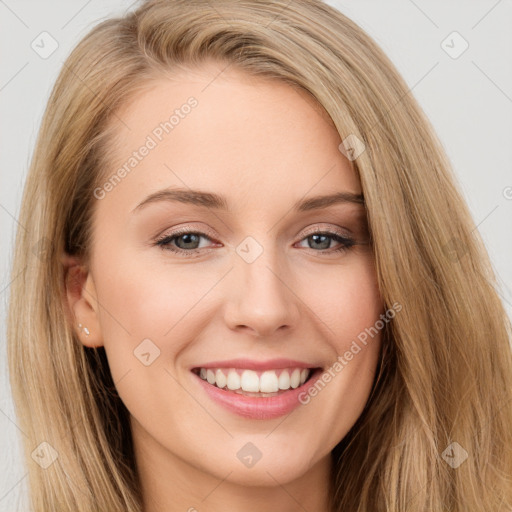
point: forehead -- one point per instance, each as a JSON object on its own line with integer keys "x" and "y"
{"x": 227, "y": 132}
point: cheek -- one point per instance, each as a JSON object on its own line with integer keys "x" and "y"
{"x": 349, "y": 306}
{"x": 149, "y": 315}
{"x": 147, "y": 320}
{"x": 346, "y": 301}
{"x": 141, "y": 301}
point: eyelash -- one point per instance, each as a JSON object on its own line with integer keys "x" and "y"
{"x": 165, "y": 242}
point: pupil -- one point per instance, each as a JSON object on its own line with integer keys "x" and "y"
{"x": 325, "y": 246}
{"x": 189, "y": 238}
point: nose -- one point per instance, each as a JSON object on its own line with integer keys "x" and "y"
{"x": 260, "y": 297}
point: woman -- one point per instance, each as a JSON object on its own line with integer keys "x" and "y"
{"x": 252, "y": 369}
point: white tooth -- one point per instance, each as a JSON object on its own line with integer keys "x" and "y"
{"x": 202, "y": 373}
{"x": 268, "y": 382}
{"x": 233, "y": 380}
{"x": 284, "y": 380}
{"x": 304, "y": 375}
{"x": 295, "y": 378}
{"x": 210, "y": 376}
{"x": 250, "y": 381}
{"x": 220, "y": 379}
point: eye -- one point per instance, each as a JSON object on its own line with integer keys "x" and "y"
{"x": 322, "y": 240}
{"x": 186, "y": 242}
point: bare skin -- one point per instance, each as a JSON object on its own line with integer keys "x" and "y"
{"x": 264, "y": 146}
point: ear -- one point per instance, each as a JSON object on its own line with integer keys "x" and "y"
{"x": 80, "y": 301}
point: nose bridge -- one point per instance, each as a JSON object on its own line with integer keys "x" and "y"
{"x": 260, "y": 296}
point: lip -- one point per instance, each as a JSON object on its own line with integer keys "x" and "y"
{"x": 249, "y": 364}
{"x": 256, "y": 408}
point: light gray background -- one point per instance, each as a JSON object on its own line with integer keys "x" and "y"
{"x": 468, "y": 100}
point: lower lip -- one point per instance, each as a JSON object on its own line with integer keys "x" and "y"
{"x": 259, "y": 408}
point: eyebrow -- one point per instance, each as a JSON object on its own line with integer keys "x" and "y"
{"x": 218, "y": 202}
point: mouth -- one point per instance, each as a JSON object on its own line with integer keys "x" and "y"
{"x": 256, "y": 390}
{"x": 256, "y": 383}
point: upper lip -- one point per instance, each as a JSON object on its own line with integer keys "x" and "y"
{"x": 249, "y": 364}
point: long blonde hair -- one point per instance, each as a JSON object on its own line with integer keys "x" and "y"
{"x": 446, "y": 368}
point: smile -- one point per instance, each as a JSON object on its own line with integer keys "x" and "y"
{"x": 256, "y": 390}
{"x": 255, "y": 383}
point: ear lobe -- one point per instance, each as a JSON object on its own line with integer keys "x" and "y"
{"x": 81, "y": 302}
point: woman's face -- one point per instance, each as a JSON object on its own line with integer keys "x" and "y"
{"x": 225, "y": 271}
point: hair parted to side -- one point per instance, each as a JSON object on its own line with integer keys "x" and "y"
{"x": 446, "y": 372}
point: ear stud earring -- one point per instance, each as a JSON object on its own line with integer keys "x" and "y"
{"x": 84, "y": 329}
